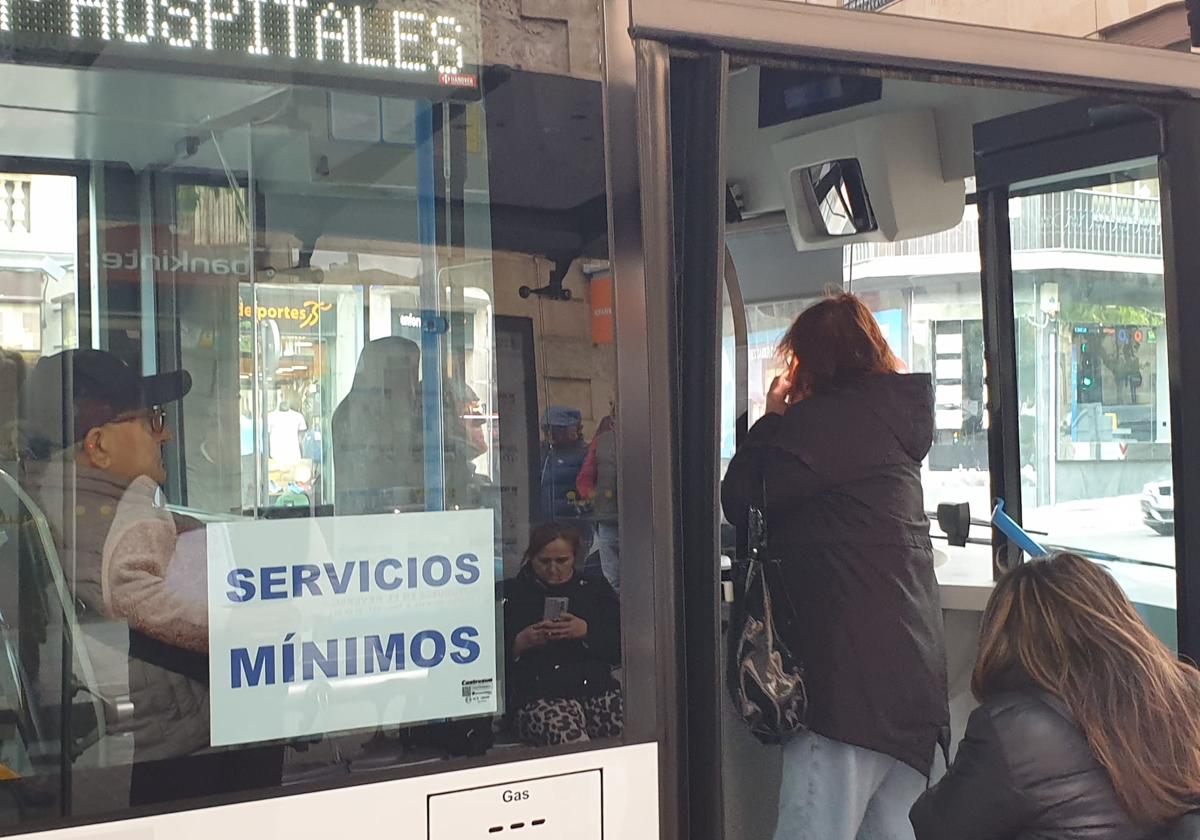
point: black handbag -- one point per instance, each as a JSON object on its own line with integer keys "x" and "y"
{"x": 765, "y": 679}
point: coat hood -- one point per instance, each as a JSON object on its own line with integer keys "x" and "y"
{"x": 904, "y": 403}
{"x": 864, "y": 422}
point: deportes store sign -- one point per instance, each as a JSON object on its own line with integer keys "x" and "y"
{"x": 327, "y": 624}
{"x": 304, "y": 316}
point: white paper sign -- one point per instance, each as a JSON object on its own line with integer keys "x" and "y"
{"x": 319, "y": 625}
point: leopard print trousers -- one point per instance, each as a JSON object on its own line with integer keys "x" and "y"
{"x": 566, "y": 720}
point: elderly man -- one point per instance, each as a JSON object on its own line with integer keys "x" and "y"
{"x": 95, "y": 433}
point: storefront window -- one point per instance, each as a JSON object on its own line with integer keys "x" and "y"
{"x": 38, "y": 280}
{"x": 330, "y": 484}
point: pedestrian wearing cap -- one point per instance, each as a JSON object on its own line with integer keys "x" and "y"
{"x": 563, "y": 454}
{"x": 94, "y": 432}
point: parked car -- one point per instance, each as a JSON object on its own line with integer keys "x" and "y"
{"x": 1158, "y": 507}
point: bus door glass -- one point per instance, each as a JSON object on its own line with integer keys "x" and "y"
{"x": 1090, "y": 408}
{"x": 1095, "y": 412}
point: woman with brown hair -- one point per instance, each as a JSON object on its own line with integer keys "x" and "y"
{"x": 836, "y": 467}
{"x": 1089, "y": 727}
{"x": 562, "y": 633}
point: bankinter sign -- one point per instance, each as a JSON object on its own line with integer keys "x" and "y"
{"x": 181, "y": 261}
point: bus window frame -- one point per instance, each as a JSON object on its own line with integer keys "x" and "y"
{"x": 643, "y": 641}
{"x": 785, "y": 27}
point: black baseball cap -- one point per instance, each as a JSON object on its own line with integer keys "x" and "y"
{"x": 72, "y": 392}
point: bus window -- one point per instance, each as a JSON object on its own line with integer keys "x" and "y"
{"x": 934, "y": 323}
{"x": 1092, "y": 378}
{"x": 311, "y": 425}
{"x": 42, "y": 291}
{"x": 924, "y": 290}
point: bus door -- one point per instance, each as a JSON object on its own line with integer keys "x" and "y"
{"x": 1011, "y": 232}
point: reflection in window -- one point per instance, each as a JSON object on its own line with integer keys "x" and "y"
{"x": 38, "y": 285}
{"x": 1092, "y": 367}
{"x": 292, "y": 564}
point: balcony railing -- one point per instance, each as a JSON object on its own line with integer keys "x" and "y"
{"x": 1081, "y": 221}
{"x": 866, "y": 5}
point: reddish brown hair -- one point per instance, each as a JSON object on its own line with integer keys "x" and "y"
{"x": 832, "y": 344}
{"x": 1065, "y": 624}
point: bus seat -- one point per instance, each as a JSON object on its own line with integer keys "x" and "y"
{"x": 28, "y": 548}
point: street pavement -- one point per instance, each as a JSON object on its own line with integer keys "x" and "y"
{"x": 1110, "y": 526}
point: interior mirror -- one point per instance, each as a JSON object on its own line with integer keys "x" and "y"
{"x": 877, "y": 179}
{"x": 955, "y": 521}
{"x": 838, "y": 192}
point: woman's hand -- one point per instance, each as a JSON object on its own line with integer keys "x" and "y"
{"x": 779, "y": 397}
{"x": 568, "y": 628}
{"x": 533, "y": 636}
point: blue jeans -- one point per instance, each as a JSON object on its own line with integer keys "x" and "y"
{"x": 608, "y": 543}
{"x": 836, "y": 791}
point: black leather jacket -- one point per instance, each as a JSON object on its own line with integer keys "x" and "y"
{"x": 1024, "y": 771}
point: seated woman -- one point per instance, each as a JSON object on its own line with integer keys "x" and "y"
{"x": 1089, "y": 728}
{"x": 560, "y": 668}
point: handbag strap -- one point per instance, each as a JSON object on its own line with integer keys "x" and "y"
{"x": 757, "y": 568}
{"x": 756, "y": 522}
{"x": 760, "y": 554}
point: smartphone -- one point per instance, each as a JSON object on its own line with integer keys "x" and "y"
{"x": 554, "y": 608}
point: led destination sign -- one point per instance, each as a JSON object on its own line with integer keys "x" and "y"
{"x": 429, "y": 43}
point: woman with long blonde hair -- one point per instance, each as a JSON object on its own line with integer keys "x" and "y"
{"x": 1089, "y": 726}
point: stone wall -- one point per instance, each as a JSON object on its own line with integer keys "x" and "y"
{"x": 571, "y": 370}
{"x": 546, "y": 36}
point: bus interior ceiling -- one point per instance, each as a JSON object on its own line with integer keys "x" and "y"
{"x": 769, "y": 265}
{"x": 314, "y": 175}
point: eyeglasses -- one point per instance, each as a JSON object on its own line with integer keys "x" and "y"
{"x": 156, "y": 416}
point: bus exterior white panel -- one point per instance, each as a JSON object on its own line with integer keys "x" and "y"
{"x": 502, "y": 802}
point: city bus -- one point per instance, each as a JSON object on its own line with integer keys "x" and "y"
{"x": 441, "y": 273}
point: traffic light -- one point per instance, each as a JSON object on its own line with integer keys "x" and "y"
{"x": 1088, "y": 382}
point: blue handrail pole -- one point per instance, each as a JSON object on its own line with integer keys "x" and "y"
{"x": 432, "y": 319}
{"x": 1018, "y": 535}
